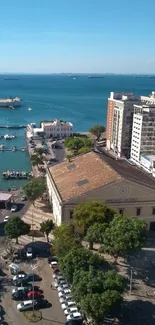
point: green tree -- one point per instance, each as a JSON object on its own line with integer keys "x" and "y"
{"x": 34, "y": 189}
{"x": 78, "y": 259}
{"x": 125, "y": 236}
{"x": 97, "y": 306}
{"x": 39, "y": 151}
{"x": 16, "y": 227}
{"x": 64, "y": 239}
{"x": 90, "y": 212}
{"x": 95, "y": 234}
{"x": 69, "y": 156}
{"x": 46, "y": 227}
{"x": 76, "y": 143}
{"x": 84, "y": 150}
{"x": 95, "y": 281}
{"x": 36, "y": 160}
{"x": 97, "y": 130}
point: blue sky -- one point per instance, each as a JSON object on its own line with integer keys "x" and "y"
{"x": 48, "y": 36}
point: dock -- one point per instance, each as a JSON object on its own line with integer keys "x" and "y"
{"x": 12, "y": 126}
{"x": 12, "y": 174}
{"x": 14, "y": 148}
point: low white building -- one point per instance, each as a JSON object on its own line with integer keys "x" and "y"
{"x": 55, "y": 129}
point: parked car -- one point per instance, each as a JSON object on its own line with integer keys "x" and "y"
{"x": 20, "y": 282}
{"x": 33, "y": 277}
{"x": 19, "y": 295}
{"x": 54, "y": 264}
{"x": 23, "y": 198}
{"x": 59, "y": 283}
{"x": 1, "y": 313}
{"x": 56, "y": 273}
{"x": 34, "y": 294}
{"x": 14, "y": 208}
{"x": 63, "y": 287}
{"x": 19, "y": 276}
{"x": 41, "y": 303}
{"x": 6, "y": 218}
{"x": 70, "y": 310}
{"x": 68, "y": 304}
{"x": 65, "y": 298}
{"x": 74, "y": 322}
{"x": 64, "y": 292}
{"x": 29, "y": 252}
{"x": 75, "y": 315}
{"x": 26, "y": 305}
{"x": 27, "y": 289}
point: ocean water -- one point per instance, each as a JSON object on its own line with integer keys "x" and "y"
{"x": 82, "y": 101}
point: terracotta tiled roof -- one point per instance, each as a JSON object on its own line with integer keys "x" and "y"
{"x": 84, "y": 173}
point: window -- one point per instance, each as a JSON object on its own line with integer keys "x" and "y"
{"x": 153, "y": 210}
{"x": 71, "y": 214}
{"x": 138, "y": 211}
{"x": 121, "y": 211}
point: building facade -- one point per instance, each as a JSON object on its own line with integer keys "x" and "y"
{"x": 129, "y": 191}
{"x": 54, "y": 129}
{"x": 119, "y": 122}
{"x": 143, "y": 136}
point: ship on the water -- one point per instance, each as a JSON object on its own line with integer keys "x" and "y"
{"x": 10, "y": 102}
{"x": 9, "y": 78}
{"x": 95, "y": 77}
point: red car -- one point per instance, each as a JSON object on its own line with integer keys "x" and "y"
{"x": 35, "y": 294}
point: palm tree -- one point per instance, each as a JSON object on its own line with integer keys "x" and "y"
{"x": 46, "y": 227}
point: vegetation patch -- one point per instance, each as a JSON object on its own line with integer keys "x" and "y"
{"x": 33, "y": 317}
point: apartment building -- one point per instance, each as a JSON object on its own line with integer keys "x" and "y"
{"x": 119, "y": 122}
{"x": 143, "y": 136}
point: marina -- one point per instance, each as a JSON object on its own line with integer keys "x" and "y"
{"x": 12, "y": 174}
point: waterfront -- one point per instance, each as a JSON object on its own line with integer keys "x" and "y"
{"x": 81, "y": 101}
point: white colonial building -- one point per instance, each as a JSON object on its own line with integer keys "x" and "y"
{"x": 53, "y": 129}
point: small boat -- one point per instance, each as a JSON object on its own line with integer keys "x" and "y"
{"x": 30, "y": 109}
{"x": 8, "y": 137}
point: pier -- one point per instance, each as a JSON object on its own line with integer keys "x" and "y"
{"x": 14, "y": 148}
{"x": 12, "y": 126}
{"x": 12, "y": 174}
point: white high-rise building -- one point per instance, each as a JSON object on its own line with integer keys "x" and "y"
{"x": 143, "y": 136}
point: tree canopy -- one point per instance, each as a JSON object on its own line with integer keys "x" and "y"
{"x": 16, "y": 227}
{"x": 124, "y": 236}
{"x": 34, "y": 189}
{"x": 36, "y": 160}
{"x": 95, "y": 234}
{"x": 39, "y": 151}
{"x": 88, "y": 213}
{"x": 64, "y": 239}
{"x": 46, "y": 227}
{"x": 97, "y": 306}
{"x": 80, "y": 259}
{"x": 97, "y": 130}
{"x": 76, "y": 143}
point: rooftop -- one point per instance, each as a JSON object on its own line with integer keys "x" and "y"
{"x": 85, "y": 173}
{"x": 5, "y": 196}
{"x": 91, "y": 171}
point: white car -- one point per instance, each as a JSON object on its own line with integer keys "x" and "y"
{"x": 55, "y": 275}
{"x": 14, "y": 208}
{"x": 18, "y": 289}
{"x": 64, "y": 292}
{"x": 25, "y": 305}
{"x": 68, "y": 304}
{"x": 53, "y": 264}
{"x": 6, "y": 218}
{"x": 65, "y": 298}
{"x": 59, "y": 283}
{"x": 19, "y": 276}
{"x": 71, "y": 310}
{"x": 75, "y": 315}
{"x": 63, "y": 287}
{"x": 29, "y": 252}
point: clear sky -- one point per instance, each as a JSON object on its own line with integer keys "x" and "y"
{"x": 46, "y": 36}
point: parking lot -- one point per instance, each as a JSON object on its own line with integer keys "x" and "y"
{"x": 51, "y": 315}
